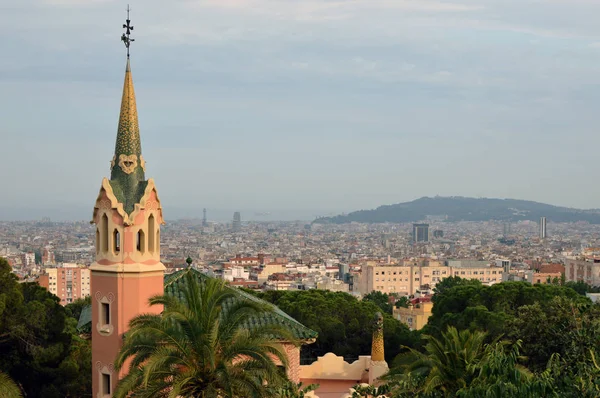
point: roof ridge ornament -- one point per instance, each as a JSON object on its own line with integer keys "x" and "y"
{"x": 128, "y": 28}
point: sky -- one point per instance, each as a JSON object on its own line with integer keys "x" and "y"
{"x": 301, "y": 108}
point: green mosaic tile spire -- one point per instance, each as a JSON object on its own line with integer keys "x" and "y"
{"x": 127, "y": 176}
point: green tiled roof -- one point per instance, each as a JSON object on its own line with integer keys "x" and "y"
{"x": 85, "y": 319}
{"x": 175, "y": 282}
{"x": 128, "y": 191}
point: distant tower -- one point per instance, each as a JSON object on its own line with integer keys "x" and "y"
{"x": 237, "y": 222}
{"x": 204, "y": 222}
{"x": 420, "y": 233}
{"x": 543, "y": 228}
{"x": 506, "y": 230}
{"x": 127, "y": 270}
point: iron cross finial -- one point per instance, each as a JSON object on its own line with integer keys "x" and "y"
{"x": 128, "y": 28}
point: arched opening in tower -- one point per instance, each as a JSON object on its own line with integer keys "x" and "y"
{"x": 117, "y": 241}
{"x": 151, "y": 236}
{"x": 97, "y": 240}
{"x": 141, "y": 241}
{"x": 104, "y": 232}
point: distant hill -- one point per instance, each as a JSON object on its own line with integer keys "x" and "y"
{"x": 456, "y": 208}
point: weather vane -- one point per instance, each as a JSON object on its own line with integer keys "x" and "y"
{"x": 128, "y": 28}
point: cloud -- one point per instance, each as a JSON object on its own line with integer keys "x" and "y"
{"x": 329, "y": 94}
{"x": 76, "y": 3}
{"x": 314, "y": 6}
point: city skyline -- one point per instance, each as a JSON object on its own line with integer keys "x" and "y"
{"x": 333, "y": 106}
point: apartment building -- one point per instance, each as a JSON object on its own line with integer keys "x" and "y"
{"x": 585, "y": 270}
{"x": 488, "y": 275}
{"x": 333, "y": 285}
{"x": 416, "y": 315}
{"x": 68, "y": 282}
{"x": 28, "y": 260}
{"x": 411, "y": 277}
{"x": 235, "y": 272}
{"x": 48, "y": 257}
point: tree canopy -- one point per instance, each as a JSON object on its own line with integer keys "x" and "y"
{"x": 470, "y": 305}
{"x": 382, "y": 300}
{"x": 344, "y": 323}
{"x": 511, "y": 339}
{"x": 39, "y": 342}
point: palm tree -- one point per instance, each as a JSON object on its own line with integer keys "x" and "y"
{"x": 203, "y": 345}
{"x": 446, "y": 366}
{"x": 8, "y": 388}
{"x": 368, "y": 391}
{"x": 461, "y": 365}
{"x": 499, "y": 374}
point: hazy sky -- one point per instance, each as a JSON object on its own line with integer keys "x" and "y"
{"x": 302, "y": 106}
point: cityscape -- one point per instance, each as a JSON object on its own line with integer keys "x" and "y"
{"x": 392, "y": 295}
{"x": 337, "y": 257}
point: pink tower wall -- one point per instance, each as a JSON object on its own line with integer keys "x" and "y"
{"x": 125, "y": 280}
{"x": 130, "y": 293}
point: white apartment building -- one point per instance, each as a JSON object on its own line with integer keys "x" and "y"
{"x": 235, "y": 272}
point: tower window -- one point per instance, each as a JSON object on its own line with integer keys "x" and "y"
{"x": 117, "y": 241}
{"x": 106, "y": 384}
{"x": 151, "y": 236}
{"x": 105, "y": 314}
{"x": 104, "y": 232}
{"x": 141, "y": 241}
{"x": 97, "y": 240}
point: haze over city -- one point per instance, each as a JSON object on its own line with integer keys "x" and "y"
{"x": 326, "y": 198}
{"x": 302, "y": 108}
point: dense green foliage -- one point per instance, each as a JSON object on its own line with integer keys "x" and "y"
{"x": 582, "y": 287}
{"x": 465, "y": 209}
{"x": 201, "y": 347}
{"x": 402, "y": 301}
{"x": 517, "y": 310}
{"x": 295, "y": 390}
{"x": 74, "y": 309}
{"x": 367, "y": 391}
{"x": 382, "y": 300}
{"x": 511, "y": 339}
{"x": 460, "y": 364}
{"x": 41, "y": 350}
{"x": 344, "y": 323}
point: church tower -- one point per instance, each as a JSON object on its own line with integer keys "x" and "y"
{"x": 127, "y": 270}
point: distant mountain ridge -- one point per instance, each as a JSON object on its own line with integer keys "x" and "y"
{"x": 458, "y": 208}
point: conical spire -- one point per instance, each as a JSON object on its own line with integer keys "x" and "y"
{"x": 128, "y": 166}
{"x": 128, "y": 145}
{"x": 128, "y": 134}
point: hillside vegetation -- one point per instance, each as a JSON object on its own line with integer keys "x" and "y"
{"x": 465, "y": 209}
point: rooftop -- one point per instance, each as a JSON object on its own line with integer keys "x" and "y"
{"x": 175, "y": 283}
